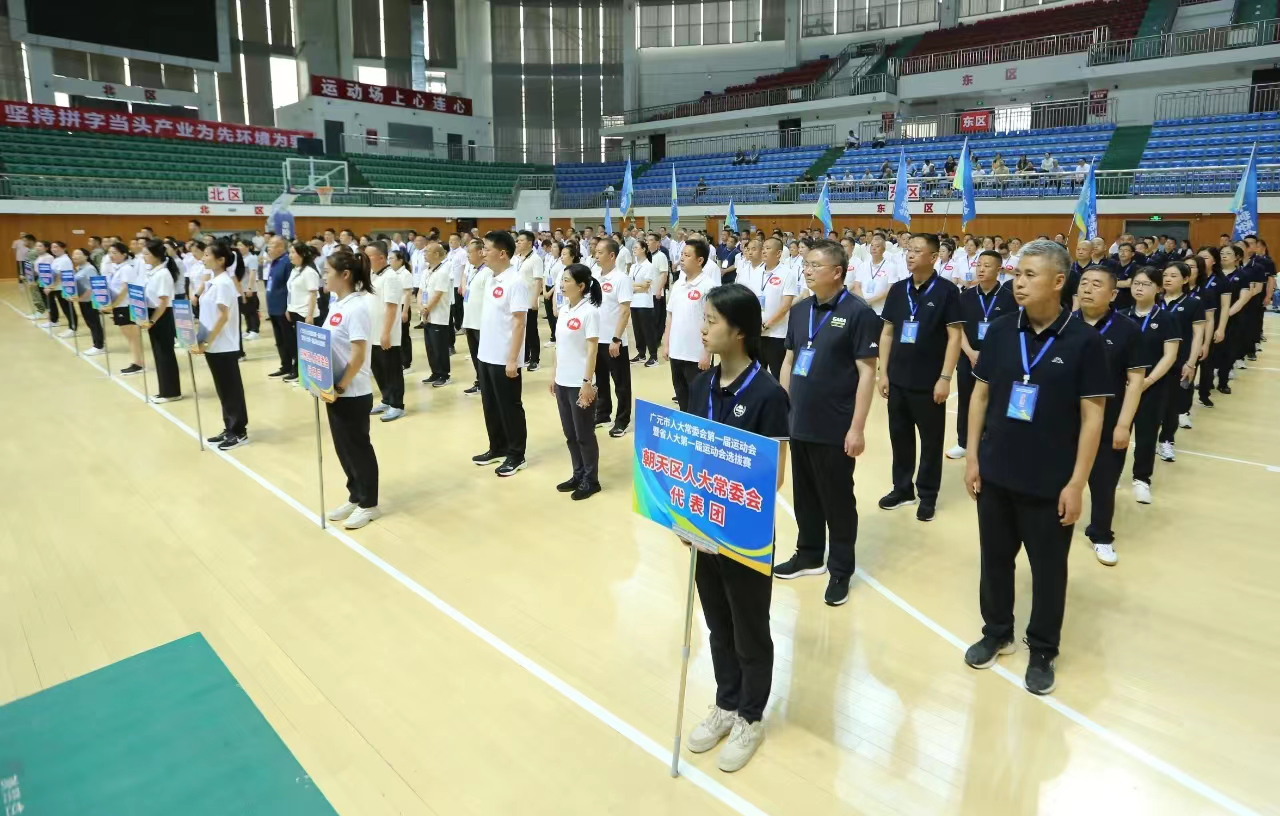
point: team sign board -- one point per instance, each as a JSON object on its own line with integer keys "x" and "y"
{"x": 710, "y": 484}
{"x": 315, "y": 360}
{"x": 68, "y": 281}
{"x": 186, "y": 324}
{"x": 913, "y": 191}
{"x": 138, "y": 303}
{"x": 45, "y": 273}
{"x": 101, "y": 292}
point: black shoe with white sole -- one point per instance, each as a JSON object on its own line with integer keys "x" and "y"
{"x": 486, "y": 458}
{"x": 214, "y": 440}
{"x": 795, "y": 568}
{"x": 926, "y": 511}
{"x": 441, "y": 382}
{"x": 474, "y": 389}
{"x": 131, "y": 370}
{"x": 232, "y": 442}
{"x": 618, "y": 431}
{"x": 837, "y": 591}
{"x": 279, "y": 372}
{"x": 1039, "y": 678}
{"x": 569, "y": 485}
{"x": 894, "y": 499}
{"x": 983, "y": 654}
{"x": 511, "y": 468}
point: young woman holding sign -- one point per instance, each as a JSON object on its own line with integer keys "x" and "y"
{"x": 84, "y": 294}
{"x": 163, "y": 276}
{"x": 303, "y": 298}
{"x": 62, "y": 263}
{"x": 577, "y": 343}
{"x": 740, "y": 393}
{"x": 120, "y": 271}
{"x": 350, "y": 326}
{"x": 219, "y": 341}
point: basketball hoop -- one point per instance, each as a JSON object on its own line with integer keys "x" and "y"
{"x": 325, "y": 194}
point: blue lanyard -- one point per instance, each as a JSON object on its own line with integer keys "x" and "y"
{"x": 911, "y": 304}
{"x": 1105, "y": 326}
{"x": 814, "y": 332}
{"x": 986, "y": 309}
{"x": 755, "y": 369}
{"x": 1026, "y": 369}
{"x": 1154, "y": 310}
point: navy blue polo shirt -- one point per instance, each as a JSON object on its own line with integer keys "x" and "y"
{"x": 1000, "y": 302}
{"x": 1124, "y": 297}
{"x": 1188, "y": 311}
{"x": 1210, "y": 292}
{"x": 762, "y": 408}
{"x": 1154, "y": 333}
{"x": 1074, "y": 368}
{"x": 1124, "y": 354}
{"x": 918, "y": 365}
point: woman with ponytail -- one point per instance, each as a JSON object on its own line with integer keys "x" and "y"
{"x": 577, "y": 341}
{"x": 219, "y": 341}
{"x": 161, "y": 282}
{"x": 119, "y": 270}
{"x": 303, "y": 301}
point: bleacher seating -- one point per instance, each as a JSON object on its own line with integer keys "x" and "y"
{"x": 802, "y": 74}
{"x": 738, "y": 97}
{"x": 1208, "y": 141}
{"x": 776, "y": 166}
{"x": 478, "y": 184}
{"x": 581, "y": 183}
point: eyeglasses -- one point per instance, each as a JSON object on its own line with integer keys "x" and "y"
{"x": 809, "y": 265}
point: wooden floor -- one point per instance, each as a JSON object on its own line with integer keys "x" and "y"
{"x": 491, "y": 647}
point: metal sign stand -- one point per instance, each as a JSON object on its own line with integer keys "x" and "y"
{"x": 144, "y": 333}
{"x": 75, "y": 331}
{"x": 320, "y": 463}
{"x": 195, "y": 397}
{"x": 106, "y": 347}
{"x": 684, "y": 662}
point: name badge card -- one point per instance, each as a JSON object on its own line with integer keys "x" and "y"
{"x": 1022, "y": 401}
{"x": 982, "y": 329}
{"x": 804, "y": 360}
{"x": 910, "y": 330}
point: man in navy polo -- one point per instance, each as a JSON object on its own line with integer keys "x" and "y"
{"x": 277, "y": 306}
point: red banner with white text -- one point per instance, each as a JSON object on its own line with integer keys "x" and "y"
{"x": 349, "y": 91}
{"x": 978, "y": 121}
{"x": 53, "y": 117}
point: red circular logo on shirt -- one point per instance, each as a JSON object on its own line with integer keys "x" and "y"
{"x": 574, "y": 324}
{"x": 695, "y": 294}
{"x": 775, "y": 281}
{"x": 608, "y": 287}
{"x": 497, "y": 291}
{"x": 335, "y": 319}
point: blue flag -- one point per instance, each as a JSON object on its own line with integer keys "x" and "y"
{"x": 964, "y": 183}
{"x": 731, "y": 221}
{"x": 608, "y": 217}
{"x": 1245, "y": 203}
{"x": 628, "y": 194}
{"x": 1086, "y": 216}
{"x": 900, "y": 210}
{"x": 823, "y": 211}
{"x": 675, "y": 205}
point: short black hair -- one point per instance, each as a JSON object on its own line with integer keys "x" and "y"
{"x": 533, "y": 239}
{"x": 611, "y": 246}
{"x": 930, "y": 238}
{"x": 700, "y": 248}
{"x": 741, "y": 308}
{"x": 1107, "y": 272}
{"x": 991, "y": 253}
{"x": 501, "y": 239}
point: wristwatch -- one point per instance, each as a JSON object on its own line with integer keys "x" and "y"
{"x": 337, "y": 389}
{"x": 617, "y": 339}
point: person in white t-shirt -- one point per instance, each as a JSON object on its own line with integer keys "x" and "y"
{"x": 529, "y": 264}
{"x": 249, "y": 303}
{"x": 62, "y": 263}
{"x": 302, "y": 299}
{"x": 577, "y": 353}
{"x": 162, "y": 279}
{"x": 398, "y": 262}
{"x": 384, "y": 317}
{"x": 682, "y": 338}
{"x": 118, "y": 268}
{"x": 948, "y": 266}
{"x": 474, "y": 281}
{"x": 644, "y": 280}
{"x": 501, "y": 354}
{"x": 457, "y": 263}
{"x": 351, "y": 333}
{"x": 615, "y": 313}
{"x": 777, "y": 292}
{"x": 662, "y": 277}
{"x": 217, "y": 340}
{"x": 873, "y": 277}
{"x": 437, "y": 305}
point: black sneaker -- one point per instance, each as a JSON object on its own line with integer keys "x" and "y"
{"x": 602, "y": 421}
{"x": 618, "y": 431}
{"x": 1224, "y": 389}
{"x": 894, "y": 499}
{"x": 1205, "y": 402}
{"x": 1253, "y": 358}
{"x": 585, "y": 491}
{"x": 793, "y": 568}
{"x": 569, "y": 485}
{"x": 292, "y": 376}
{"x": 837, "y": 591}
{"x": 639, "y": 358}
{"x": 510, "y": 468}
{"x": 279, "y": 372}
{"x": 132, "y": 369}
{"x": 533, "y": 367}
{"x": 1039, "y": 679}
{"x": 475, "y": 389}
{"x": 486, "y": 458}
{"x": 440, "y": 382}
{"x": 429, "y": 380}
{"x": 983, "y": 654}
{"x": 925, "y": 511}
{"x": 233, "y": 442}
{"x": 650, "y": 363}
{"x": 213, "y": 440}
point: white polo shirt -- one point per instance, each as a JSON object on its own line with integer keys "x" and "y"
{"x": 302, "y": 282}
{"x": 577, "y": 326}
{"x": 388, "y": 287}
{"x": 159, "y": 284}
{"x": 349, "y": 321}
{"x": 530, "y": 268}
{"x": 712, "y": 270}
{"x": 505, "y": 296}
{"x": 441, "y": 280}
{"x": 686, "y": 307}
{"x": 661, "y": 266}
{"x": 775, "y": 284}
{"x": 876, "y": 278}
{"x": 642, "y": 273}
{"x": 221, "y": 291}
{"x": 473, "y": 301}
{"x": 616, "y": 289}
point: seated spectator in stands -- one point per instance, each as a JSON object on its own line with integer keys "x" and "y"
{"x": 1048, "y": 164}
{"x": 879, "y": 139}
{"x": 866, "y": 175}
{"x": 808, "y": 177}
{"x": 949, "y": 167}
{"x": 848, "y": 175}
{"x": 740, "y": 158}
{"x": 977, "y": 168}
{"x": 1082, "y": 169}
{"x": 1024, "y": 166}
{"x": 700, "y": 189}
{"x": 998, "y": 167}
{"x": 754, "y": 156}
{"x": 885, "y": 170}
{"x": 851, "y": 141}
{"x": 927, "y": 170}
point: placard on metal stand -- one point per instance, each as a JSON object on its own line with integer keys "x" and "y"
{"x": 100, "y": 297}
{"x": 316, "y": 376}
{"x": 185, "y": 323}
{"x": 139, "y": 313}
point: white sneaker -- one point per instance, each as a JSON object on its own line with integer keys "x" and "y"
{"x": 35, "y": 316}
{"x": 1231, "y": 375}
{"x": 708, "y": 733}
{"x": 1166, "y": 452}
{"x": 47, "y": 325}
{"x": 1141, "y": 492}
{"x": 94, "y": 352}
{"x": 549, "y": 344}
{"x": 361, "y": 517}
{"x": 341, "y": 511}
{"x": 1241, "y": 364}
{"x": 163, "y": 400}
{"x": 1106, "y": 553}
{"x": 251, "y": 335}
{"x": 743, "y": 742}
{"x": 1184, "y": 420}
{"x": 380, "y": 407}
{"x": 392, "y": 414}
{"x": 955, "y": 453}
{"x": 67, "y": 333}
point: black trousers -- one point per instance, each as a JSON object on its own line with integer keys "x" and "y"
{"x": 1008, "y": 521}
{"x": 286, "y": 342}
{"x": 617, "y": 369}
{"x": 224, "y": 366}
{"x": 773, "y": 352}
{"x": 1103, "y": 479}
{"x": 322, "y": 305}
{"x": 473, "y": 346}
{"x": 579, "y": 429}
{"x": 93, "y": 319}
{"x": 503, "y": 412}
{"x": 455, "y": 313}
{"x": 735, "y": 602}
{"x": 252, "y": 317}
{"x": 683, "y": 373}
{"x": 1232, "y": 350}
{"x": 532, "y": 343}
{"x": 640, "y": 322}
{"x": 406, "y": 345}
{"x": 964, "y": 384}
{"x": 162, "y": 333}
{"x": 349, "y": 427}
{"x": 1177, "y": 402}
{"x": 1146, "y": 427}
{"x": 53, "y": 300}
{"x": 438, "y": 341}
{"x": 822, "y": 490}
{"x": 548, "y": 309}
{"x": 912, "y": 410}
{"x": 389, "y": 375}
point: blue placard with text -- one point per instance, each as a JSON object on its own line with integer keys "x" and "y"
{"x": 101, "y": 292}
{"x": 138, "y": 303}
{"x": 315, "y": 360}
{"x": 707, "y": 482}
{"x": 68, "y": 281}
{"x": 185, "y": 323}
{"x": 45, "y": 273}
